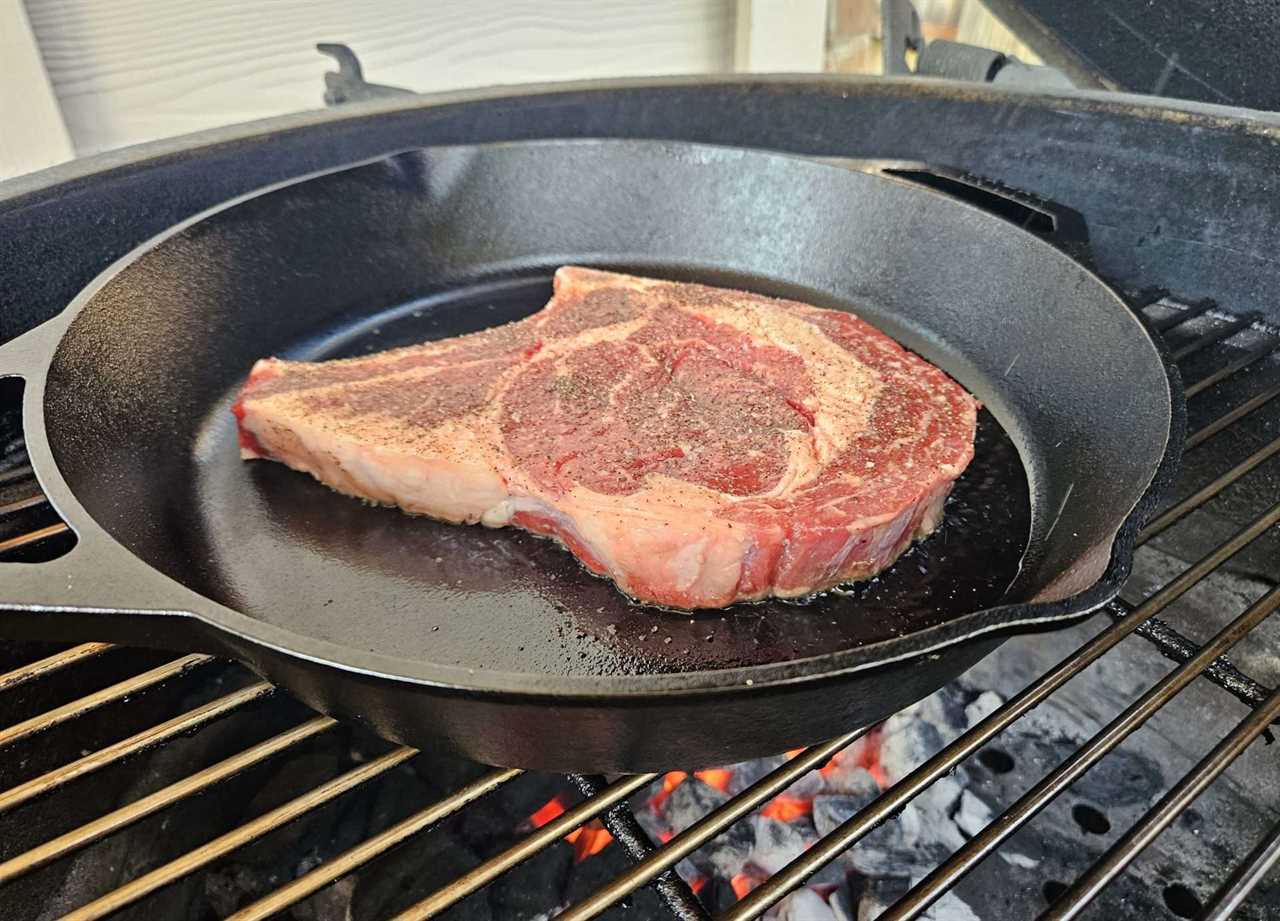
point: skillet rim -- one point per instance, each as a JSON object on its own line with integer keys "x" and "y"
{"x": 231, "y": 629}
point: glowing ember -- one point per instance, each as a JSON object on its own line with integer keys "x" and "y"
{"x": 590, "y": 839}
{"x": 593, "y": 837}
{"x": 549, "y": 810}
{"x": 871, "y": 756}
{"x": 672, "y": 780}
{"x": 787, "y": 808}
{"x": 861, "y": 881}
{"x": 716, "y": 777}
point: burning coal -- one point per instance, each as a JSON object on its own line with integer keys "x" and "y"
{"x": 866, "y": 879}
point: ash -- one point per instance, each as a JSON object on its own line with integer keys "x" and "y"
{"x": 1173, "y": 878}
{"x": 865, "y": 880}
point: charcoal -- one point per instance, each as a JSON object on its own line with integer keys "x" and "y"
{"x": 949, "y": 907}
{"x": 832, "y": 874}
{"x": 840, "y": 905}
{"x": 330, "y": 902}
{"x": 654, "y": 824}
{"x": 982, "y": 706}
{"x": 879, "y": 894}
{"x": 687, "y": 871}
{"x": 831, "y": 810}
{"x": 651, "y": 792}
{"x": 942, "y": 795}
{"x": 972, "y": 814}
{"x": 776, "y": 844}
{"x": 727, "y": 854}
{"x": 1122, "y": 779}
{"x": 907, "y": 742}
{"x": 1013, "y": 858}
{"x": 804, "y": 905}
{"x": 945, "y": 711}
{"x": 889, "y": 849}
{"x": 691, "y": 801}
{"x": 746, "y": 773}
{"x": 878, "y": 862}
{"x": 853, "y": 780}
{"x": 230, "y": 887}
{"x": 807, "y": 787}
{"x": 855, "y": 752}
{"x": 936, "y": 806}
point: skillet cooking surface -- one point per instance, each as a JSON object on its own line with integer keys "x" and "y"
{"x": 506, "y": 600}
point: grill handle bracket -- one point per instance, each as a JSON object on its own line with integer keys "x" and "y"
{"x": 1055, "y": 223}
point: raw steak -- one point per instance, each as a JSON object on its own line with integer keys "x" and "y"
{"x": 697, "y": 445}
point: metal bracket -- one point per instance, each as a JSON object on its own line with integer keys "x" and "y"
{"x": 900, "y": 31}
{"x": 349, "y": 84}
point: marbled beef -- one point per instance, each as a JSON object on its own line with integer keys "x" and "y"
{"x": 697, "y": 445}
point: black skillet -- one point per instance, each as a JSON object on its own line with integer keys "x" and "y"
{"x": 493, "y": 643}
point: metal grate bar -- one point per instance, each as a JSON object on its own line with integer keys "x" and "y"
{"x": 1245, "y": 878}
{"x": 1185, "y": 313}
{"x": 655, "y": 865}
{"x": 544, "y": 837}
{"x": 1173, "y": 645}
{"x": 1029, "y": 804}
{"x": 896, "y": 797}
{"x": 24, "y": 540}
{"x": 161, "y": 799}
{"x": 238, "y": 837}
{"x": 1250, "y": 405}
{"x": 1213, "y": 336}
{"x": 1248, "y": 358}
{"x": 16, "y": 474}
{"x": 21, "y": 505}
{"x": 185, "y": 722}
{"x": 621, "y": 823}
{"x": 358, "y": 856}
{"x": 1204, "y": 494}
{"x": 711, "y": 825}
{"x": 90, "y": 702}
{"x": 50, "y": 664}
{"x": 1170, "y": 807}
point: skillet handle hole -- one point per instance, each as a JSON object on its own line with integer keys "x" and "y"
{"x": 30, "y": 530}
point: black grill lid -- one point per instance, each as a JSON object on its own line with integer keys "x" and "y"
{"x": 1220, "y": 51}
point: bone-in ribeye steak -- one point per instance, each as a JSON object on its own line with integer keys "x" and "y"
{"x": 697, "y": 445}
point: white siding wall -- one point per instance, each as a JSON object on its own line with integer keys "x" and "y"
{"x": 126, "y": 71}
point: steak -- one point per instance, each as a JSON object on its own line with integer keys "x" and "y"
{"x": 697, "y": 445}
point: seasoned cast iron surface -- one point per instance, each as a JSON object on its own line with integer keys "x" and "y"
{"x": 151, "y": 462}
{"x": 272, "y": 533}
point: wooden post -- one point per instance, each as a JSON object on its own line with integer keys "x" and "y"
{"x": 32, "y": 133}
{"x": 780, "y": 36}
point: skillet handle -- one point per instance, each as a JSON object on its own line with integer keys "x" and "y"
{"x": 97, "y": 590}
{"x": 1057, "y": 224}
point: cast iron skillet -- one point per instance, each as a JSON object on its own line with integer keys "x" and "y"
{"x": 493, "y": 643}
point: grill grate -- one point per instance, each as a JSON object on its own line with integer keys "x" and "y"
{"x": 1197, "y": 333}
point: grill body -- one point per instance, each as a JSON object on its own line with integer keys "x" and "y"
{"x": 107, "y": 748}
